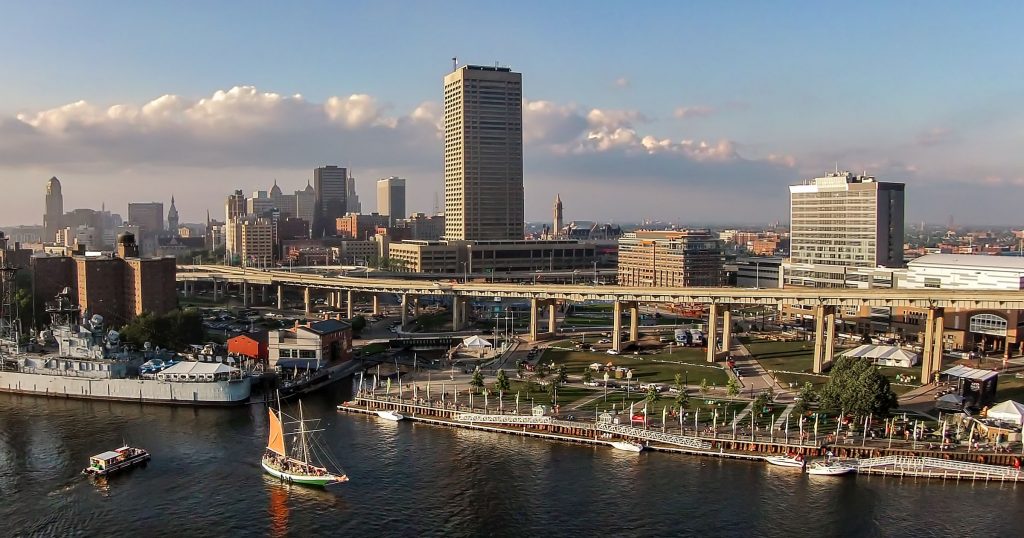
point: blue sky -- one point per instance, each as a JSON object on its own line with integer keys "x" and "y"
{"x": 624, "y": 99}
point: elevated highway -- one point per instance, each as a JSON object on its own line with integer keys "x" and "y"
{"x": 822, "y": 301}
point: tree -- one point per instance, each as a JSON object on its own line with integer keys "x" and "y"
{"x": 682, "y": 399}
{"x": 358, "y": 323}
{"x": 174, "y": 330}
{"x": 502, "y": 383}
{"x": 478, "y": 379}
{"x": 561, "y": 375}
{"x": 732, "y": 387}
{"x": 553, "y": 391}
{"x": 678, "y": 382}
{"x": 703, "y": 387}
{"x": 652, "y": 395}
{"x": 856, "y": 387}
{"x": 760, "y": 402}
{"x": 588, "y": 376}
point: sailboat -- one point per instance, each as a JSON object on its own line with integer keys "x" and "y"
{"x": 298, "y": 467}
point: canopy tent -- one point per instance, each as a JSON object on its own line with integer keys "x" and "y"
{"x": 476, "y": 342}
{"x": 191, "y": 367}
{"x": 1008, "y": 411}
{"x": 885, "y": 355}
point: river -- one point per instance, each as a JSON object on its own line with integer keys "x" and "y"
{"x": 411, "y": 479}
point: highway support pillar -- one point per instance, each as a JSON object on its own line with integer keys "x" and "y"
{"x": 246, "y": 292}
{"x": 931, "y": 348}
{"x": 405, "y": 309}
{"x": 939, "y": 349}
{"x": 824, "y": 336}
{"x": 215, "y": 290}
{"x": 349, "y": 311}
{"x": 552, "y": 317}
{"x": 634, "y": 322}
{"x": 376, "y": 304}
{"x": 726, "y": 329}
{"x": 712, "y": 336}
{"x": 307, "y": 301}
{"x": 263, "y": 294}
{"x": 280, "y": 297}
{"x": 533, "y": 319}
{"x": 457, "y": 307}
{"x": 617, "y": 326}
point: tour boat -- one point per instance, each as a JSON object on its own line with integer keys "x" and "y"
{"x": 390, "y": 415}
{"x": 628, "y": 446}
{"x": 300, "y": 465}
{"x": 116, "y": 460}
{"x": 786, "y": 461}
{"x": 829, "y": 468}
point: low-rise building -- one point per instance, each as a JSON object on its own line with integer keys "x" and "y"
{"x": 681, "y": 258}
{"x": 313, "y": 345}
{"x": 253, "y": 345}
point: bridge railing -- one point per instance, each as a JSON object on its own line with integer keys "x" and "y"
{"x": 921, "y": 464}
{"x": 653, "y": 435}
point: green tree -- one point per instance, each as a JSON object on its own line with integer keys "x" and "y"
{"x": 703, "y": 387}
{"x": 652, "y": 395}
{"x": 855, "y": 386}
{"x": 358, "y": 323}
{"x": 588, "y": 375}
{"x": 561, "y": 375}
{"x": 682, "y": 399}
{"x": 552, "y": 389}
{"x": 478, "y": 379}
{"x": 678, "y": 382}
{"x": 502, "y": 383}
{"x": 761, "y": 402}
{"x": 732, "y": 387}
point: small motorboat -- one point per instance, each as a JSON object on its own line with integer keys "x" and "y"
{"x": 786, "y": 461}
{"x": 628, "y": 446}
{"x": 830, "y": 468}
{"x": 113, "y": 461}
{"x": 394, "y": 416}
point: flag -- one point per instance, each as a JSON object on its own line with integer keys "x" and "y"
{"x": 388, "y": 392}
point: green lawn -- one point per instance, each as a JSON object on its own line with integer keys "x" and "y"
{"x": 790, "y": 356}
{"x": 1010, "y": 388}
{"x": 646, "y": 368}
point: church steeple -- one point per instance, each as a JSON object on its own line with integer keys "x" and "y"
{"x": 172, "y": 218}
{"x": 556, "y": 229}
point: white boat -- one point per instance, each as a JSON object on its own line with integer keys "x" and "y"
{"x": 829, "y": 468}
{"x": 394, "y": 416}
{"x": 298, "y": 464}
{"x": 627, "y": 446}
{"x": 785, "y": 461}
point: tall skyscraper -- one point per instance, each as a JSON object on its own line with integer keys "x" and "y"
{"x": 148, "y": 216}
{"x": 352, "y": 204}
{"x": 305, "y": 205}
{"x": 172, "y": 218}
{"x": 234, "y": 207}
{"x": 53, "y": 217}
{"x": 391, "y": 198}
{"x": 330, "y": 184}
{"x": 842, "y": 227}
{"x": 483, "y": 153}
{"x": 557, "y": 221}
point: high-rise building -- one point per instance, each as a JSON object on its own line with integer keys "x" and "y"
{"x": 172, "y": 218}
{"x": 235, "y": 206}
{"x": 330, "y": 183}
{"x": 285, "y": 203}
{"x": 148, "y": 216}
{"x": 557, "y": 223}
{"x": 54, "y": 214}
{"x": 843, "y": 228}
{"x": 391, "y": 198}
{"x": 675, "y": 258}
{"x": 483, "y": 154}
{"x": 257, "y": 238}
{"x": 352, "y": 204}
{"x": 260, "y": 204}
{"x": 305, "y": 204}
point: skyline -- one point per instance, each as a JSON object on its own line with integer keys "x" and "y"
{"x": 710, "y": 111}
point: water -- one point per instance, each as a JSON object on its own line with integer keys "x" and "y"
{"x": 416, "y": 480}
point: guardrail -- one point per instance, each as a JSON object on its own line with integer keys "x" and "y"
{"x": 923, "y": 464}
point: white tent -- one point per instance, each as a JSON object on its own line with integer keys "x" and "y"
{"x": 1009, "y": 411}
{"x": 476, "y": 342}
{"x": 885, "y": 355}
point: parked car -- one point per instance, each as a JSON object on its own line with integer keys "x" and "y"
{"x": 612, "y": 352}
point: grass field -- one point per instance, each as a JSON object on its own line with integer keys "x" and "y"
{"x": 646, "y": 368}
{"x": 790, "y": 356}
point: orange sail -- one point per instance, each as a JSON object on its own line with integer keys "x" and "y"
{"x": 276, "y": 442}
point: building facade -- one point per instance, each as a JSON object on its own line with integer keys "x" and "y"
{"x": 54, "y": 211}
{"x": 391, "y": 198}
{"x": 842, "y": 222}
{"x": 670, "y": 258}
{"x": 356, "y": 226}
{"x": 148, "y": 216}
{"x": 311, "y": 346}
{"x": 483, "y": 154}
{"x": 330, "y": 185}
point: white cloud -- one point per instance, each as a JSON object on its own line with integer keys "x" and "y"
{"x": 622, "y": 82}
{"x": 685, "y": 112}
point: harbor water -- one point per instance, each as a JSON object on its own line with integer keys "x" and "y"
{"x": 411, "y": 479}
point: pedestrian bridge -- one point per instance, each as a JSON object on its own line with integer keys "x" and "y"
{"x": 935, "y": 468}
{"x": 617, "y": 429}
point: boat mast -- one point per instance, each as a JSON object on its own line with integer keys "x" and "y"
{"x": 280, "y": 418}
{"x": 302, "y": 435}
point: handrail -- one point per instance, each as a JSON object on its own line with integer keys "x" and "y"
{"x": 919, "y": 463}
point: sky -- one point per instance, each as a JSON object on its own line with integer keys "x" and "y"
{"x": 685, "y": 112}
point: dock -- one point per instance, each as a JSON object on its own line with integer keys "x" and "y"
{"x": 873, "y": 461}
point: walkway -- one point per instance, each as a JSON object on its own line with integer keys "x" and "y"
{"x": 785, "y": 415}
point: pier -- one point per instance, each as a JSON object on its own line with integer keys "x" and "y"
{"x": 868, "y": 460}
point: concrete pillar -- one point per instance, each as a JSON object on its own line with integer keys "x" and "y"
{"x": 617, "y": 326}
{"x": 726, "y": 329}
{"x": 349, "y": 313}
{"x": 937, "y": 337}
{"x": 280, "y": 297}
{"x": 928, "y": 347}
{"x": 552, "y": 317}
{"x": 263, "y": 294}
{"x": 830, "y": 335}
{"x": 819, "y": 339}
{"x": 712, "y": 331}
{"x": 405, "y": 309}
{"x": 634, "y": 322}
{"x": 376, "y": 304}
{"x": 245, "y": 294}
{"x": 215, "y": 291}
{"x": 416, "y": 306}
{"x": 456, "y": 313}
{"x": 533, "y": 319}
{"x": 307, "y": 301}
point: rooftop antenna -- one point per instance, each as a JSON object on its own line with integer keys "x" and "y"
{"x": 435, "y": 202}
{"x": 837, "y": 167}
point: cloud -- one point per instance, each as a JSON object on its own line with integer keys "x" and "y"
{"x": 686, "y": 112}
{"x": 622, "y": 82}
{"x": 934, "y": 137}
